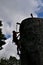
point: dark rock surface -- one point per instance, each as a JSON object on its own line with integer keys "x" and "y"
{"x": 31, "y": 37}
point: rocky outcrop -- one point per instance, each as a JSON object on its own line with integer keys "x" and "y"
{"x": 31, "y": 37}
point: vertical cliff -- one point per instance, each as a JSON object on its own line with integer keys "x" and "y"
{"x": 31, "y": 37}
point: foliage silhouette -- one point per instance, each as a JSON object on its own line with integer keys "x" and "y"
{"x": 2, "y": 37}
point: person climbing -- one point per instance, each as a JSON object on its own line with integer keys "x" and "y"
{"x": 17, "y": 41}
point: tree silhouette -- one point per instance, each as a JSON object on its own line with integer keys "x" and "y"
{"x": 2, "y": 37}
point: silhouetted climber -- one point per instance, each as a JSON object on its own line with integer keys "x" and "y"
{"x": 17, "y": 42}
{"x": 31, "y": 15}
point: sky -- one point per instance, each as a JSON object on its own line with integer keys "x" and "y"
{"x": 13, "y": 11}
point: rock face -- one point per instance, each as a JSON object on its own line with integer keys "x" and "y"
{"x": 31, "y": 37}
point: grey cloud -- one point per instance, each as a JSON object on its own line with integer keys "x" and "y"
{"x": 16, "y": 10}
{"x": 10, "y": 49}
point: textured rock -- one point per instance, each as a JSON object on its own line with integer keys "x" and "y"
{"x": 31, "y": 37}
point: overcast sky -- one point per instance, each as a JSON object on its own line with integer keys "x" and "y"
{"x": 13, "y": 11}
